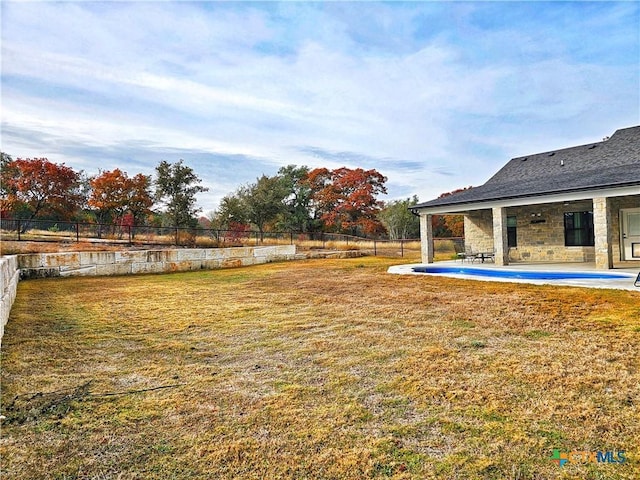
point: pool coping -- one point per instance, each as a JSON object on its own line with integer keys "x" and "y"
{"x": 613, "y": 283}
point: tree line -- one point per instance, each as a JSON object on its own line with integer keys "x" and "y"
{"x": 296, "y": 199}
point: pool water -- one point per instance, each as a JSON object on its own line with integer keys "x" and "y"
{"x": 520, "y": 274}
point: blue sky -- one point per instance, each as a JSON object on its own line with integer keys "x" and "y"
{"x": 434, "y": 95}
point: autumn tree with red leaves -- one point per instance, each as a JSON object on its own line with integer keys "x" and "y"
{"x": 34, "y": 187}
{"x": 115, "y": 195}
{"x": 345, "y": 199}
{"x": 448, "y": 225}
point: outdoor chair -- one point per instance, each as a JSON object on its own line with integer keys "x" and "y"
{"x": 460, "y": 254}
{"x": 469, "y": 254}
{"x": 482, "y": 256}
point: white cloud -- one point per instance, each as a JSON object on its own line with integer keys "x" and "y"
{"x": 441, "y": 85}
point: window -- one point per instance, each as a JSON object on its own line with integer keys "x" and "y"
{"x": 578, "y": 229}
{"x": 512, "y": 237}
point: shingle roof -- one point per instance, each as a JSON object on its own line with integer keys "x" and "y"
{"x": 613, "y": 162}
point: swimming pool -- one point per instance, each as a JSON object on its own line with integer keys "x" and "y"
{"x": 551, "y": 274}
{"x": 520, "y": 274}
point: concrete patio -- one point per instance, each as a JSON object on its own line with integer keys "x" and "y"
{"x": 629, "y": 273}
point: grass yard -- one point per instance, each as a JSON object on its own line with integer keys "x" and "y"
{"x": 319, "y": 369}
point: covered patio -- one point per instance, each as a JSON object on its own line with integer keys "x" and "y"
{"x": 578, "y": 204}
{"x": 604, "y": 230}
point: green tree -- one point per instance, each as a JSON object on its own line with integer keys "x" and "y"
{"x": 232, "y": 210}
{"x": 297, "y": 202}
{"x": 398, "y": 219}
{"x": 177, "y": 186}
{"x": 5, "y": 161}
{"x": 264, "y": 201}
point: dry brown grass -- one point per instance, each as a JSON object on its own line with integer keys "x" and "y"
{"x": 317, "y": 369}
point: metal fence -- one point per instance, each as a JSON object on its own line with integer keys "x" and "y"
{"x": 147, "y": 235}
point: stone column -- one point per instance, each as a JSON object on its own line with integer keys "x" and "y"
{"x": 602, "y": 233}
{"x": 426, "y": 238}
{"x": 500, "y": 238}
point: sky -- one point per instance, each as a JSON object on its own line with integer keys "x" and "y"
{"x": 434, "y": 95}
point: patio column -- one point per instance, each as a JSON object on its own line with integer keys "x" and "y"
{"x": 426, "y": 238}
{"x": 500, "y": 239}
{"x": 602, "y": 233}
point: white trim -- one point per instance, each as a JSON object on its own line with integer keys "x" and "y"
{"x": 532, "y": 200}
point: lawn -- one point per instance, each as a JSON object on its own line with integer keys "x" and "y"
{"x": 318, "y": 369}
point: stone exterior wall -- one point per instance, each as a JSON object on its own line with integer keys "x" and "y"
{"x": 540, "y": 234}
{"x": 9, "y": 277}
{"x": 540, "y": 231}
{"x": 148, "y": 261}
{"x": 478, "y": 231}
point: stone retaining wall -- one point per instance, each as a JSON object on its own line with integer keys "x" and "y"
{"x": 9, "y": 277}
{"x": 42, "y": 265}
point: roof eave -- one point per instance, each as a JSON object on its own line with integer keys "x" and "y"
{"x": 617, "y": 190}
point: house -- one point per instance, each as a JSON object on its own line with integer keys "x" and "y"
{"x": 578, "y": 204}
